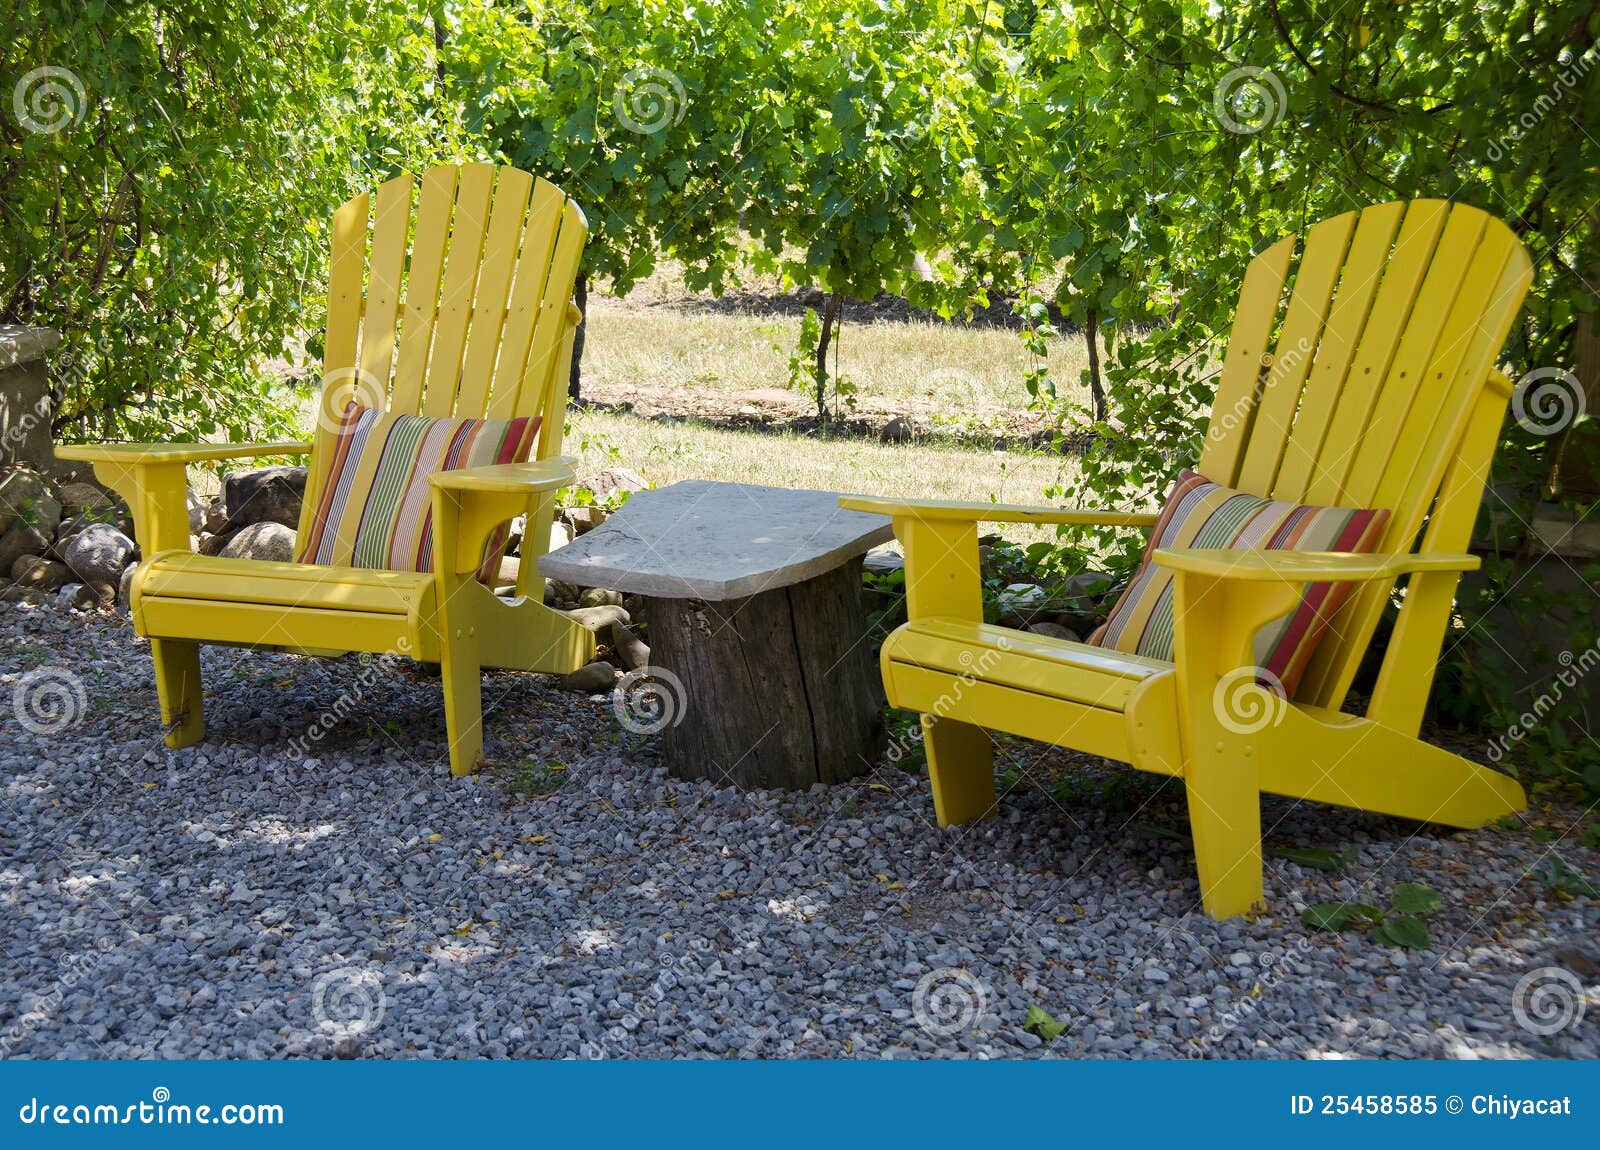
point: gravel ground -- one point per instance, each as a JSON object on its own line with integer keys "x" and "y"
{"x": 246, "y": 899}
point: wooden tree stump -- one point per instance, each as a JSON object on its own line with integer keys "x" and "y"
{"x": 757, "y": 629}
{"x": 779, "y": 689}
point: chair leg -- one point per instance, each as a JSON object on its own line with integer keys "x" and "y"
{"x": 177, "y": 664}
{"x": 462, "y": 675}
{"x": 1225, "y": 820}
{"x": 961, "y": 769}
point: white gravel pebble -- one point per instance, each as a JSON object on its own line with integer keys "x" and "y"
{"x": 262, "y": 895}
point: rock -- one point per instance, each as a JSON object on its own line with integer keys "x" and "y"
{"x": 897, "y": 430}
{"x": 591, "y": 679}
{"x": 16, "y": 594}
{"x": 584, "y": 519}
{"x": 197, "y": 512}
{"x": 882, "y": 560}
{"x": 600, "y": 597}
{"x": 22, "y": 539}
{"x": 560, "y": 534}
{"x": 98, "y": 553}
{"x": 28, "y": 497}
{"x": 558, "y": 591}
{"x": 265, "y": 495}
{"x": 632, "y": 650}
{"x": 216, "y": 516}
{"x": 91, "y": 596}
{"x": 613, "y": 480}
{"x": 1093, "y": 584}
{"x": 125, "y": 585}
{"x": 597, "y": 618}
{"x": 1054, "y": 631}
{"x": 1019, "y": 597}
{"x": 84, "y": 499}
{"x": 267, "y": 540}
{"x": 45, "y": 574}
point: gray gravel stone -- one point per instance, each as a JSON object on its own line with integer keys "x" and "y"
{"x": 312, "y": 882}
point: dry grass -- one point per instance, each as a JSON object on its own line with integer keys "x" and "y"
{"x": 665, "y": 452}
{"x": 945, "y": 372}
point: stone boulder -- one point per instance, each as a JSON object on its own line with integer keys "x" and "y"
{"x": 270, "y": 541}
{"x": 22, "y": 539}
{"x": 26, "y": 496}
{"x": 265, "y": 495}
{"x": 86, "y": 499}
{"x": 590, "y": 679}
{"x": 45, "y": 574}
{"x": 613, "y": 480}
{"x": 98, "y": 553}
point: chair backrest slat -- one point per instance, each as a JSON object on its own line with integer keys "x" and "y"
{"x": 533, "y": 269}
{"x": 1368, "y": 395}
{"x": 460, "y": 289}
{"x": 428, "y": 245}
{"x": 543, "y": 383}
{"x": 391, "y": 223}
{"x": 502, "y": 244}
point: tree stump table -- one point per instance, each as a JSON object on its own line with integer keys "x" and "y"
{"x": 753, "y": 599}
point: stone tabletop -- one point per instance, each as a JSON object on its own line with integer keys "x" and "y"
{"x": 704, "y": 540}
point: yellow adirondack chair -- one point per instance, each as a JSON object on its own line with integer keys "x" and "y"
{"x": 478, "y": 322}
{"x": 1379, "y": 390}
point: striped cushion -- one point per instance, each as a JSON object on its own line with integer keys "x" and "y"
{"x": 1200, "y": 513}
{"x": 375, "y": 509}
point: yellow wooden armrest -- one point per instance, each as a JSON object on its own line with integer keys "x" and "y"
{"x": 1305, "y": 566}
{"x": 470, "y": 503}
{"x": 510, "y": 478}
{"x": 154, "y": 453}
{"x": 950, "y": 511}
{"x": 150, "y": 477}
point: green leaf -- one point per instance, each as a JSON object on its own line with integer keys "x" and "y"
{"x": 1318, "y": 858}
{"x": 1041, "y": 1022}
{"x": 1414, "y": 898}
{"x": 1403, "y": 930}
{"x": 1328, "y": 916}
